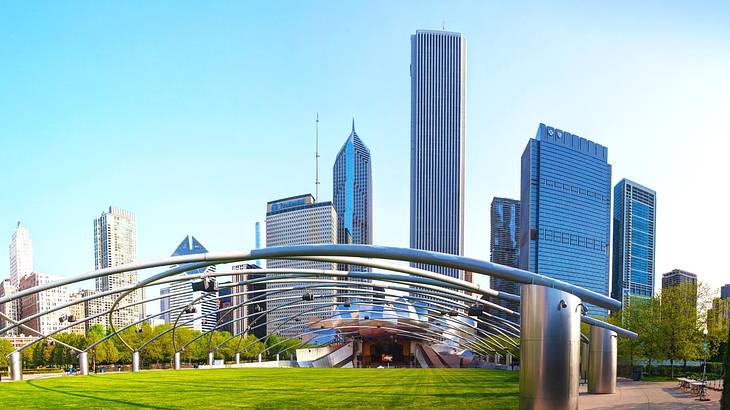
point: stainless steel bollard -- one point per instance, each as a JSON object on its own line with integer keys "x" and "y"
{"x": 176, "y": 362}
{"x": 135, "y": 361}
{"x": 84, "y": 363}
{"x": 16, "y": 366}
{"x": 211, "y": 358}
{"x": 238, "y": 358}
{"x": 602, "y": 361}
{"x": 549, "y": 348}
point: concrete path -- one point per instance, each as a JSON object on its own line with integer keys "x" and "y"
{"x": 647, "y": 395}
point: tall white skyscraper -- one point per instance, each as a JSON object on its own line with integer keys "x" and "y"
{"x": 438, "y": 129}
{"x": 115, "y": 243}
{"x": 10, "y": 309}
{"x": 21, "y": 254}
{"x": 295, "y": 221}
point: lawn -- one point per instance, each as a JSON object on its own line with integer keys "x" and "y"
{"x": 271, "y": 388}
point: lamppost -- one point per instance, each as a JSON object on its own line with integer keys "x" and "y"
{"x": 703, "y": 387}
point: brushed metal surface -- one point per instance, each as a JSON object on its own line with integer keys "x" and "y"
{"x": 549, "y": 348}
{"x": 602, "y": 361}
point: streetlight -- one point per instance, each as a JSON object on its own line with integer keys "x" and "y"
{"x": 703, "y": 391}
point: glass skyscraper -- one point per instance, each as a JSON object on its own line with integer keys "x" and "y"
{"x": 566, "y": 210}
{"x": 634, "y": 229}
{"x": 505, "y": 247}
{"x": 181, "y": 295}
{"x": 438, "y": 128}
{"x": 352, "y": 193}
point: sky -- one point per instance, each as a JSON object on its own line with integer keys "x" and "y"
{"x": 194, "y": 114}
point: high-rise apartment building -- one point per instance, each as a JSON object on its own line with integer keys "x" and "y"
{"x": 634, "y": 232}
{"x": 352, "y": 193}
{"x": 21, "y": 254}
{"x": 42, "y": 301}
{"x": 565, "y": 210}
{"x": 249, "y": 301}
{"x": 438, "y": 130}
{"x": 182, "y": 295}
{"x": 677, "y": 277}
{"x": 294, "y": 221}
{"x": 505, "y": 247}
{"x": 77, "y": 313}
{"x": 115, "y": 243}
{"x": 10, "y": 309}
{"x": 725, "y": 292}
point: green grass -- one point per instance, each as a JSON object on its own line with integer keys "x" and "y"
{"x": 271, "y": 388}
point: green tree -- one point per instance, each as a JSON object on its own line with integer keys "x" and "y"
{"x": 725, "y": 401}
{"x": 5, "y": 348}
{"x": 680, "y": 325}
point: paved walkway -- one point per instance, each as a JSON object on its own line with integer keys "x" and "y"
{"x": 647, "y": 395}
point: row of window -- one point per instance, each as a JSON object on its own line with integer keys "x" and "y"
{"x": 573, "y": 239}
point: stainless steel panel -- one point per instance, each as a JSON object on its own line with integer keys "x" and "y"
{"x": 602, "y": 361}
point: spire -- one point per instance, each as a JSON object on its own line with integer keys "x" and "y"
{"x": 353, "y": 124}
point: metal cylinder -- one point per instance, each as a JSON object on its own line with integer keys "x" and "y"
{"x": 584, "y": 359}
{"x": 16, "y": 366}
{"x": 135, "y": 361}
{"x": 84, "y": 363}
{"x": 259, "y": 357}
{"x": 549, "y": 348}
{"x": 277, "y": 358}
{"x": 211, "y": 358}
{"x": 238, "y": 358}
{"x": 176, "y": 361}
{"x": 602, "y": 361}
{"x": 497, "y": 358}
{"x": 508, "y": 359}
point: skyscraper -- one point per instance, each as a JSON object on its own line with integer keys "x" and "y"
{"x": 257, "y": 239}
{"x": 634, "y": 229}
{"x": 250, "y": 318}
{"x": 505, "y": 246}
{"x": 165, "y": 304}
{"x": 565, "y": 210}
{"x": 41, "y": 301}
{"x": 182, "y": 295}
{"x": 352, "y": 193}
{"x": 21, "y": 254}
{"x": 438, "y": 130}
{"x": 725, "y": 291}
{"x": 294, "y": 221}
{"x": 115, "y": 243}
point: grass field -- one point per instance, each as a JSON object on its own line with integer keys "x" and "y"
{"x": 271, "y": 388}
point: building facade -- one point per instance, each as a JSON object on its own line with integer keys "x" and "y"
{"x": 10, "y": 309}
{"x": 21, "y": 254}
{"x": 295, "y": 221}
{"x": 182, "y": 295}
{"x": 565, "y": 210}
{"x": 438, "y": 130}
{"x": 248, "y": 302}
{"x": 42, "y": 301}
{"x": 77, "y": 313}
{"x": 725, "y": 291}
{"x": 115, "y": 243}
{"x": 634, "y": 233}
{"x": 505, "y": 247}
{"x": 165, "y": 305}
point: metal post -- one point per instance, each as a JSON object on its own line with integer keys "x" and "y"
{"x": 508, "y": 359}
{"x": 84, "y": 363}
{"x": 549, "y": 348}
{"x": 176, "y": 362}
{"x": 602, "y": 361}
{"x": 584, "y": 359}
{"x": 277, "y": 359}
{"x": 238, "y": 358}
{"x": 497, "y": 359}
{"x": 259, "y": 357}
{"x": 135, "y": 361}
{"x": 16, "y": 366}
{"x": 210, "y": 359}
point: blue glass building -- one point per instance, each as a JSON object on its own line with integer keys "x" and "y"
{"x": 634, "y": 230}
{"x": 566, "y": 210}
{"x": 505, "y": 247}
{"x": 352, "y": 192}
{"x": 181, "y": 295}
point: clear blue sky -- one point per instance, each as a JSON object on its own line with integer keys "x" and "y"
{"x": 194, "y": 114}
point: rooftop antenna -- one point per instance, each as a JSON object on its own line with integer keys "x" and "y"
{"x": 316, "y": 160}
{"x": 443, "y": 25}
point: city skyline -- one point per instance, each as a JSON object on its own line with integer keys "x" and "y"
{"x": 68, "y": 235}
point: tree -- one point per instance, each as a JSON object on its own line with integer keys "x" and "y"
{"x": 5, "y": 348}
{"x": 725, "y": 401}
{"x": 679, "y": 325}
